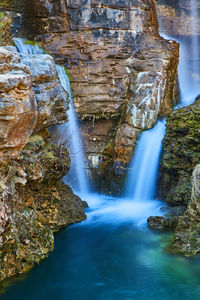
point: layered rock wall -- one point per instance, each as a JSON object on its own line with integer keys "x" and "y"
{"x": 122, "y": 73}
{"x": 180, "y": 154}
{"x": 175, "y": 17}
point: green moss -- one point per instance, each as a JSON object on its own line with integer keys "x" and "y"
{"x": 68, "y": 74}
{"x": 2, "y": 15}
{"x": 181, "y": 152}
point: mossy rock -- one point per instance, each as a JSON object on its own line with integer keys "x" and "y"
{"x": 181, "y": 153}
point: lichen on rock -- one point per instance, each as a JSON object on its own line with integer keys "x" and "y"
{"x": 187, "y": 235}
{"x": 180, "y": 154}
{"x": 34, "y": 204}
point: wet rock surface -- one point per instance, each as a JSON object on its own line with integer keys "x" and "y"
{"x": 158, "y": 223}
{"x": 122, "y": 73}
{"x": 168, "y": 221}
{"x": 34, "y": 204}
{"x": 180, "y": 154}
{"x": 52, "y": 101}
{"x": 31, "y": 98}
{"x": 187, "y": 235}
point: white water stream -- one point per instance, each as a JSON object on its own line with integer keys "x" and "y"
{"x": 68, "y": 133}
{"x": 138, "y": 202}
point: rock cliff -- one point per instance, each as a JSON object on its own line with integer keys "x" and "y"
{"x": 186, "y": 238}
{"x": 175, "y": 16}
{"x": 180, "y": 154}
{"x": 122, "y": 73}
{"x": 179, "y": 176}
{"x": 34, "y": 202}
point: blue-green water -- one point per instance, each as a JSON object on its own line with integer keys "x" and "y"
{"x": 110, "y": 256}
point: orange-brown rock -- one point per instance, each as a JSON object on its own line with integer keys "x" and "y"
{"x": 125, "y": 142}
{"x": 18, "y": 111}
{"x": 119, "y": 67}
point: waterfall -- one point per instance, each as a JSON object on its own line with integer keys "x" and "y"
{"x": 25, "y": 47}
{"x": 68, "y": 133}
{"x": 194, "y": 34}
{"x": 142, "y": 175}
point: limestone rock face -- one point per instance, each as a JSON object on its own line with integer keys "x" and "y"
{"x": 121, "y": 71}
{"x": 31, "y": 98}
{"x": 180, "y": 154}
{"x": 18, "y": 111}
{"x": 50, "y": 96}
{"x": 186, "y": 239}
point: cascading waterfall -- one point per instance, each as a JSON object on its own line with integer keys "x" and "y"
{"x": 141, "y": 181}
{"x": 189, "y": 63}
{"x": 116, "y": 259}
{"x": 68, "y": 133}
{"x": 142, "y": 176}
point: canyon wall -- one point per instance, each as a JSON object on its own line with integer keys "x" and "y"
{"x": 34, "y": 202}
{"x": 122, "y": 72}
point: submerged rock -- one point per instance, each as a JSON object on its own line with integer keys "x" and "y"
{"x": 162, "y": 223}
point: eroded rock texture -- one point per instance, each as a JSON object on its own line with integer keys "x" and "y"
{"x": 122, "y": 73}
{"x": 34, "y": 202}
{"x": 187, "y": 234}
{"x": 18, "y": 111}
{"x": 31, "y": 98}
{"x": 181, "y": 153}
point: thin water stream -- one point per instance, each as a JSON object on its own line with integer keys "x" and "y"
{"x": 112, "y": 255}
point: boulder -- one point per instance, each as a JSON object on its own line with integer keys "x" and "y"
{"x": 18, "y": 113}
{"x": 51, "y": 98}
{"x": 159, "y": 223}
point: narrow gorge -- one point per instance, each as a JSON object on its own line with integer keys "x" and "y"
{"x": 99, "y": 114}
